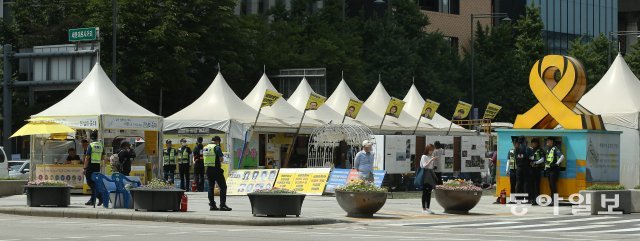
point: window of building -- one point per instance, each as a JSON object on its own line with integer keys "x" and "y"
{"x": 443, "y": 6}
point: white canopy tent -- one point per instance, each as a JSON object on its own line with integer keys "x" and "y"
{"x": 324, "y": 113}
{"x": 339, "y": 101}
{"x": 414, "y": 105}
{"x": 281, "y": 109}
{"x": 377, "y": 103}
{"x": 616, "y": 98}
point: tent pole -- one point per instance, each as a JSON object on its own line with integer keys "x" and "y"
{"x": 293, "y": 141}
{"x": 382, "y": 122}
{"x": 246, "y": 137}
{"x": 450, "y": 124}
{"x": 344, "y": 117}
{"x": 417, "y": 124}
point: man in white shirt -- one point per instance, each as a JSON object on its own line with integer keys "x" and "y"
{"x": 364, "y": 161}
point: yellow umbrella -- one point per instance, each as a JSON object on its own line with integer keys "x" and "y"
{"x": 42, "y": 127}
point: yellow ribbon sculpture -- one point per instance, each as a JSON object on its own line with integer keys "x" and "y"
{"x": 558, "y": 100}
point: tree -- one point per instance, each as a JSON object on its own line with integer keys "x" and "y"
{"x": 593, "y": 55}
{"x": 633, "y": 59}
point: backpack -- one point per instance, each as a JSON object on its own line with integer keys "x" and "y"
{"x": 115, "y": 162}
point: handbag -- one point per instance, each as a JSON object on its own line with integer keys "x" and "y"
{"x": 418, "y": 181}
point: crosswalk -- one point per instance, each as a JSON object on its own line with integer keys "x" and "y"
{"x": 618, "y": 224}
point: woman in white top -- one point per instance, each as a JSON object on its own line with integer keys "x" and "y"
{"x": 429, "y": 181}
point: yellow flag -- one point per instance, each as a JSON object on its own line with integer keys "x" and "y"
{"x": 491, "y": 111}
{"x": 395, "y": 107}
{"x": 462, "y": 110}
{"x": 429, "y": 109}
{"x": 353, "y": 108}
{"x": 315, "y": 101}
{"x": 270, "y": 97}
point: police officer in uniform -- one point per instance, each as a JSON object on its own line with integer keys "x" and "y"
{"x": 198, "y": 165}
{"x": 522, "y": 167}
{"x": 213, "y": 158}
{"x": 552, "y": 163}
{"x": 92, "y": 160}
{"x": 511, "y": 164}
{"x": 537, "y": 166}
{"x": 183, "y": 162}
{"x": 169, "y": 165}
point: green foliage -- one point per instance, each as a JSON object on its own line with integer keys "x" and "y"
{"x": 458, "y": 185}
{"x": 633, "y": 58}
{"x": 359, "y": 185}
{"x": 48, "y": 183}
{"x": 606, "y": 187}
{"x": 593, "y": 55}
{"x": 637, "y": 187}
{"x": 157, "y": 184}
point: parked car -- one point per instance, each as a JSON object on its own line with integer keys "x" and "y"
{"x": 19, "y": 169}
{"x": 4, "y": 165}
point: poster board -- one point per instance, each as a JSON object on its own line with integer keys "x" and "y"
{"x": 243, "y": 181}
{"x": 399, "y": 150}
{"x": 445, "y": 164}
{"x": 310, "y": 181}
{"x": 378, "y": 153}
{"x": 473, "y": 154}
{"x": 251, "y": 153}
{"x": 340, "y": 177}
{"x": 603, "y": 158}
{"x": 71, "y": 174}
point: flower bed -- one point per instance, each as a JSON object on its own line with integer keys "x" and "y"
{"x": 276, "y": 202}
{"x": 360, "y": 198}
{"x": 157, "y": 196}
{"x": 458, "y": 185}
{"x": 458, "y": 196}
{"x": 48, "y": 193}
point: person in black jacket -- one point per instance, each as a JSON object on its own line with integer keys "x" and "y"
{"x": 198, "y": 165}
{"x": 126, "y": 156}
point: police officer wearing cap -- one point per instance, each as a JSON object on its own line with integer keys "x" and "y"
{"x": 169, "y": 164}
{"x": 92, "y": 160}
{"x": 183, "y": 164}
{"x": 213, "y": 158}
{"x": 198, "y": 165}
{"x": 553, "y": 159}
{"x": 511, "y": 164}
{"x": 536, "y": 159}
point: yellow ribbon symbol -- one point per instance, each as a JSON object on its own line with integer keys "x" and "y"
{"x": 558, "y": 100}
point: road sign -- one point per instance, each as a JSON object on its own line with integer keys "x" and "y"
{"x": 83, "y": 34}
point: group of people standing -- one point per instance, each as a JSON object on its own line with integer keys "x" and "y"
{"x": 527, "y": 164}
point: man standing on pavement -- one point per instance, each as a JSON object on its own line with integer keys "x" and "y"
{"x": 92, "y": 160}
{"x": 522, "y": 167}
{"x": 364, "y": 162}
{"x": 511, "y": 165}
{"x": 213, "y": 158}
{"x": 183, "y": 160}
{"x": 554, "y": 158}
{"x": 537, "y": 165}
{"x": 169, "y": 165}
{"x": 198, "y": 165}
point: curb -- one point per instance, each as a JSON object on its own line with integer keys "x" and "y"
{"x": 166, "y": 217}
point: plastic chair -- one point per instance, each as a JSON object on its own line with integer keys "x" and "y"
{"x": 121, "y": 182}
{"x": 104, "y": 186}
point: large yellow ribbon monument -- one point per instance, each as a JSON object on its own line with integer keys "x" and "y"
{"x": 558, "y": 100}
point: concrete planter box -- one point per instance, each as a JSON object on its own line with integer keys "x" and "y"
{"x": 48, "y": 196}
{"x": 276, "y": 204}
{"x": 457, "y": 201}
{"x": 595, "y": 199}
{"x": 12, "y": 187}
{"x": 635, "y": 200}
{"x": 361, "y": 204}
{"x": 156, "y": 199}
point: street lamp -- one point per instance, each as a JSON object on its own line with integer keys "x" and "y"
{"x": 617, "y": 34}
{"x": 505, "y": 17}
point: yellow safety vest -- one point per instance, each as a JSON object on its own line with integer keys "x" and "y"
{"x": 170, "y": 159}
{"x": 183, "y": 156}
{"x": 512, "y": 159}
{"x": 209, "y": 155}
{"x": 96, "y": 152}
{"x": 551, "y": 157}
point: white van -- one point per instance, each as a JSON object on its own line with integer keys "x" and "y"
{"x": 4, "y": 164}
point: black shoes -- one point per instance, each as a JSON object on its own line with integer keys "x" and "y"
{"x": 225, "y": 208}
{"x": 213, "y": 208}
{"x": 89, "y": 203}
{"x": 222, "y": 208}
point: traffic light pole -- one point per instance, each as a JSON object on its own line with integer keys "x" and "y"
{"x": 6, "y": 101}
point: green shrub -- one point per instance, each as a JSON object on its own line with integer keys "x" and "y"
{"x": 606, "y": 187}
{"x": 157, "y": 184}
{"x": 359, "y": 185}
{"x": 637, "y": 187}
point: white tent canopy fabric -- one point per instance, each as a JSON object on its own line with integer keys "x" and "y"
{"x": 339, "y": 101}
{"x": 377, "y": 103}
{"x": 414, "y": 105}
{"x": 98, "y": 104}
{"x": 281, "y": 109}
{"x": 221, "y": 109}
{"x": 324, "y": 113}
{"x": 615, "y": 97}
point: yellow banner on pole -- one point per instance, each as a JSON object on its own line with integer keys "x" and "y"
{"x": 462, "y": 110}
{"x": 491, "y": 111}
{"x": 395, "y": 107}
{"x": 315, "y": 101}
{"x": 429, "y": 109}
{"x": 353, "y": 108}
{"x": 270, "y": 97}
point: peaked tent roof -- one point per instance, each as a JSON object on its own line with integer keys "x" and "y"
{"x": 414, "y": 105}
{"x": 324, "y": 113}
{"x": 102, "y": 96}
{"x": 377, "y": 104}
{"x": 281, "y": 109}
{"x": 339, "y": 101}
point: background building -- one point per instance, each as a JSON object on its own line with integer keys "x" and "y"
{"x": 628, "y": 18}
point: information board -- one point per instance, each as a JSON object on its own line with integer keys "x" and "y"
{"x": 473, "y": 154}
{"x": 340, "y": 177}
{"x": 241, "y": 182}
{"x": 399, "y": 150}
{"x": 310, "y": 181}
{"x": 445, "y": 164}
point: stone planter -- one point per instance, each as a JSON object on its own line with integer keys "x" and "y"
{"x": 12, "y": 187}
{"x": 458, "y": 202}
{"x": 635, "y": 200}
{"x": 595, "y": 198}
{"x": 48, "y": 196}
{"x": 361, "y": 204}
{"x": 156, "y": 199}
{"x": 276, "y": 205}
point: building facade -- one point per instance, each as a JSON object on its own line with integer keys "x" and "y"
{"x": 628, "y": 20}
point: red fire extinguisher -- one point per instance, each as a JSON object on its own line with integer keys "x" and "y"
{"x": 183, "y": 203}
{"x": 194, "y": 186}
{"x": 503, "y": 197}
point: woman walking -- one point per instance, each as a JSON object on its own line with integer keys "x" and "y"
{"x": 429, "y": 181}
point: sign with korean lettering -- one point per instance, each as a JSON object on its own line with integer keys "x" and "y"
{"x": 603, "y": 158}
{"x": 131, "y": 123}
{"x": 310, "y": 181}
{"x": 243, "y": 181}
{"x": 83, "y": 34}
{"x": 270, "y": 98}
